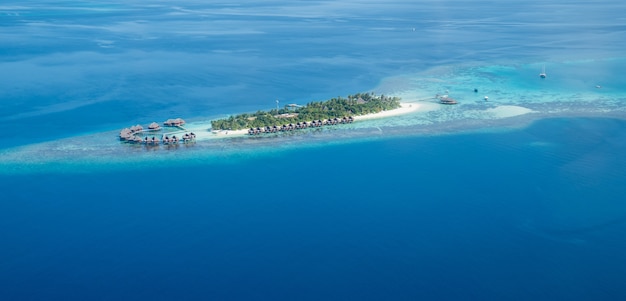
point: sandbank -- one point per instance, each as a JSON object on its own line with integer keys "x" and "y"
{"x": 508, "y": 111}
{"x": 404, "y": 108}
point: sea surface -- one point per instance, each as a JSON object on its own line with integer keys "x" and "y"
{"x": 516, "y": 193}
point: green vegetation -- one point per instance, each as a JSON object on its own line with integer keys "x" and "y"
{"x": 354, "y": 105}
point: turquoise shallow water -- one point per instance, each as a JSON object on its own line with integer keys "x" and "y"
{"x": 516, "y": 97}
{"x": 516, "y": 198}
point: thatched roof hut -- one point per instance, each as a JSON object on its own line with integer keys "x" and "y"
{"x": 174, "y": 122}
{"x": 154, "y": 126}
{"x": 136, "y": 128}
{"x": 126, "y": 134}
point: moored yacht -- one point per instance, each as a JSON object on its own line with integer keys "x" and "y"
{"x": 543, "y": 72}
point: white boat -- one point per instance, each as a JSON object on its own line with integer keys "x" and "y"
{"x": 543, "y": 72}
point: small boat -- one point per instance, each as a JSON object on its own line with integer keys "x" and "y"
{"x": 447, "y": 100}
{"x": 543, "y": 72}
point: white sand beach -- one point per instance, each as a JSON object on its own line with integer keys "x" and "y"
{"x": 204, "y": 133}
{"x": 226, "y": 133}
{"x": 404, "y": 108}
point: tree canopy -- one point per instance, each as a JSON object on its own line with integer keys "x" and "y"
{"x": 353, "y": 105}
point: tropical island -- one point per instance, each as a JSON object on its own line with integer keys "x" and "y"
{"x": 331, "y": 112}
{"x": 333, "y": 109}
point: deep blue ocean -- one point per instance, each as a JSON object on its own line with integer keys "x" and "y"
{"x": 479, "y": 201}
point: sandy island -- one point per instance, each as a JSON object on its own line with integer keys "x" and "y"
{"x": 404, "y": 108}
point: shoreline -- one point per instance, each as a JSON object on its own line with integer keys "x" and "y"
{"x": 405, "y": 108}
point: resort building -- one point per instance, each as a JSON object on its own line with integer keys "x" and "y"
{"x": 154, "y": 126}
{"x": 174, "y": 122}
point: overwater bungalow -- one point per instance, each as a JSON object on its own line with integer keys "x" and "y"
{"x": 136, "y": 128}
{"x": 154, "y": 126}
{"x": 174, "y": 122}
{"x": 126, "y": 134}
